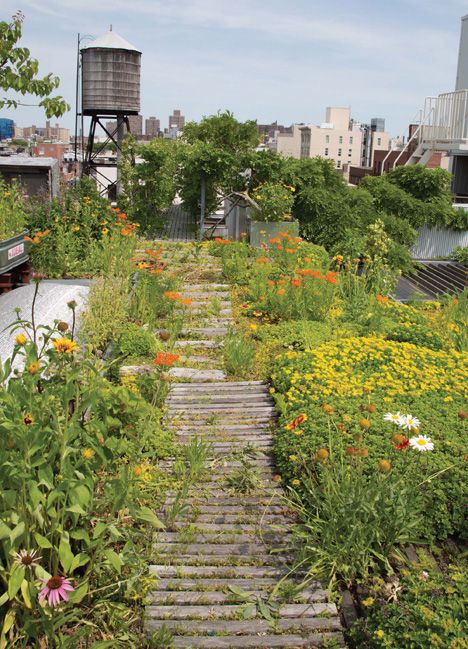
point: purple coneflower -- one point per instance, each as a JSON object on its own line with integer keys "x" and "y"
{"x": 55, "y": 590}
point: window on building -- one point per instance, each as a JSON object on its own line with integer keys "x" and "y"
{"x": 341, "y": 139}
{"x": 327, "y": 139}
{"x": 379, "y": 141}
{"x": 338, "y": 163}
{"x": 339, "y": 152}
{"x": 326, "y": 151}
{"x": 350, "y": 139}
{"x": 350, "y": 152}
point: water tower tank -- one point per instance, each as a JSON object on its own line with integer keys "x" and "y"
{"x": 110, "y": 76}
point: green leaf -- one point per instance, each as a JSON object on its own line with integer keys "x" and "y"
{"x": 16, "y": 577}
{"x": 65, "y": 555}
{"x": 249, "y": 611}
{"x": 25, "y": 593}
{"x": 79, "y": 560}
{"x": 41, "y": 541}
{"x": 146, "y": 514}
{"x": 114, "y": 559}
{"x": 17, "y": 532}
{"x": 4, "y": 598}
{"x": 4, "y": 531}
{"x": 99, "y": 529}
{"x": 79, "y": 593}
{"x": 76, "y": 509}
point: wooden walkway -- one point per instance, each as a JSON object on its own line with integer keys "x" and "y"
{"x": 218, "y": 568}
{"x": 178, "y": 225}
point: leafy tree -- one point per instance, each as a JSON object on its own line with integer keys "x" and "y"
{"x": 418, "y": 195}
{"x": 223, "y": 131}
{"x": 149, "y": 186}
{"x": 18, "y": 71}
{"x": 217, "y": 150}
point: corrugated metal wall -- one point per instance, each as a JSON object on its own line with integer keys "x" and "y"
{"x": 432, "y": 243}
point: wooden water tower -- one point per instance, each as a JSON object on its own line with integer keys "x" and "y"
{"x": 110, "y": 90}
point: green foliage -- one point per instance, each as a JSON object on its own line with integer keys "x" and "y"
{"x": 418, "y": 195}
{"x": 68, "y": 492}
{"x": 135, "y": 341}
{"x": 274, "y": 201}
{"x": 295, "y": 334}
{"x": 431, "y": 602}
{"x": 78, "y": 233}
{"x": 149, "y": 186}
{"x": 12, "y": 210}
{"x": 108, "y": 310}
{"x": 217, "y": 150}
{"x": 238, "y": 354}
{"x": 399, "y": 377}
{"x": 19, "y": 71}
{"x": 461, "y": 255}
{"x": 420, "y": 335}
{"x": 351, "y": 519}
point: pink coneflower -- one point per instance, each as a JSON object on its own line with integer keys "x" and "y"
{"x": 55, "y": 590}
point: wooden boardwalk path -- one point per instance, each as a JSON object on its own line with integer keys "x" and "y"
{"x": 232, "y": 549}
{"x": 178, "y": 225}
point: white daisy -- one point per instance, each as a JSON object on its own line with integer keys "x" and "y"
{"x": 27, "y": 558}
{"x": 422, "y": 443}
{"x": 395, "y": 418}
{"x": 409, "y": 422}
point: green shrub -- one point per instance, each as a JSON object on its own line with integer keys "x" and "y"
{"x": 417, "y": 334}
{"x": 461, "y": 255}
{"x": 12, "y": 210}
{"x": 135, "y": 341}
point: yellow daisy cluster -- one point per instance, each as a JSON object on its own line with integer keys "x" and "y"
{"x": 356, "y": 366}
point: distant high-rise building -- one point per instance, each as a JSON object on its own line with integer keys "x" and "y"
{"x": 136, "y": 125}
{"x": 152, "y": 127}
{"x": 135, "y": 122}
{"x": 176, "y": 120}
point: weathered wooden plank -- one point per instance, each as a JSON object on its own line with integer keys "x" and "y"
{"x": 232, "y": 611}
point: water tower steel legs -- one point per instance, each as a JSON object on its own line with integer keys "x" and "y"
{"x": 116, "y": 137}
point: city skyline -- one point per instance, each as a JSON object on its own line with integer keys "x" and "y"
{"x": 262, "y": 61}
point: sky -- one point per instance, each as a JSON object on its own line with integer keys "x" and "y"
{"x": 262, "y": 59}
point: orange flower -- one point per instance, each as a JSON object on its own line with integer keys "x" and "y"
{"x": 328, "y": 408}
{"x": 280, "y": 282}
{"x": 363, "y": 452}
{"x": 291, "y": 251}
{"x": 350, "y": 450}
{"x": 281, "y": 291}
{"x": 331, "y": 277}
{"x": 296, "y": 282}
{"x": 270, "y": 282}
{"x": 297, "y": 421}
{"x": 261, "y": 260}
{"x": 165, "y": 359}
{"x": 381, "y": 298}
{"x": 279, "y": 248}
{"x": 275, "y": 240}
{"x": 172, "y": 295}
{"x": 365, "y": 423}
{"x": 186, "y": 301}
{"x": 385, "y": 466}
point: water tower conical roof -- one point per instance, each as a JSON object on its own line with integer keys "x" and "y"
{"x": 111, "y": 40}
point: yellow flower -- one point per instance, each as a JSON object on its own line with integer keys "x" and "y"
{"x": 368, "y": 601}
{"x": 293, "y": 458}
{"x": 385, "y": 466}
{"x": 380, "y": 633}
{"x": 322, "y": 454}
{"x": 295, "y": 482}
{"x": 65, "y": 345}
{"x": 28, "y": 419}
{"x": 254, "y": 327}
{"x": 21, "y": 339}
{"x": 104, "y": 231}
{"x": 75, "y": 228}
{"x": 88, "y": 453}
